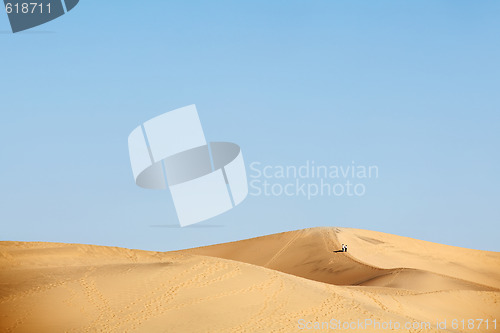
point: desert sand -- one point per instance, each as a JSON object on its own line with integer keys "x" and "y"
{"x": 288, "y": 282}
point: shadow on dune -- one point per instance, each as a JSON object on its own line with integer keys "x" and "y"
{"x": 310, "y": 254}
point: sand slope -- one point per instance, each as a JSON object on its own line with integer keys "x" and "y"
{"x": 265, "y": 284}
{"x": 372, "y": 257}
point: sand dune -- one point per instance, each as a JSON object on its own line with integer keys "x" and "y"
{"x": 276, "y": 283}
{"x": 372, "y": 256}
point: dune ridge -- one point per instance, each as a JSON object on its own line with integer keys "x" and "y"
{"x": 266, "y": 284}
{"x": 313, "y": 256}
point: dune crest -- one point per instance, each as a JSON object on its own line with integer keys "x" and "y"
{"x": 371, "y": 257}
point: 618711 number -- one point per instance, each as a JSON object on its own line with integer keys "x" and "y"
{"x": 27, "y": 8}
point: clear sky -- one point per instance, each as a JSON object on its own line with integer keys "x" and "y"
{"x": 409, "y": 86}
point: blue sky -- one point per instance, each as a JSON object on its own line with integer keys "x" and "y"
{"x": 411, "y": 87}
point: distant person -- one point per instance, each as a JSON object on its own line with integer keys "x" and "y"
{"x": 345, "y": 248}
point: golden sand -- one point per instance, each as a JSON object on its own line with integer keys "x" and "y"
{"x": 276, "y": 283}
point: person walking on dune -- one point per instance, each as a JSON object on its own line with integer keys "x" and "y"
{"x": 344, "y": 249}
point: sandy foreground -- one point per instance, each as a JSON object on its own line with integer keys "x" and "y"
{"x": 288, "y": 282}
